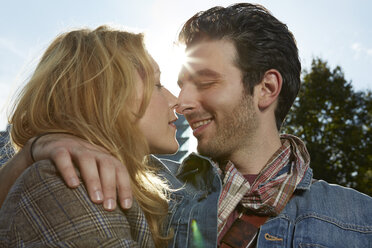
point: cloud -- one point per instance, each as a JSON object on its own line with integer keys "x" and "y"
{"x": 356, "y": 47}
{"x": 9, "y": 45}
{"x": 359, "y": 49}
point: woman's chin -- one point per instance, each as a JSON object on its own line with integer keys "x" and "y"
{"x": 166, "y": 150}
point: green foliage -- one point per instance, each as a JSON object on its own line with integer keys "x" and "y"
{"x": 335, "y": 122}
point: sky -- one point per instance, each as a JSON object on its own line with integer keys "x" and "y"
{"x": 337, "y": 31}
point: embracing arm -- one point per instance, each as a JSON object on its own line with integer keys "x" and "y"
{"x": 104, "y": 176}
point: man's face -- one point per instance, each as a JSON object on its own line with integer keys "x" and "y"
{"x": 213, "y": 100}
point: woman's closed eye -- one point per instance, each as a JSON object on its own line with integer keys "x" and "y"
{"x": 159, "y": 85}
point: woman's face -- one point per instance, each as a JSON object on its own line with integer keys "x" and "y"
{"x": 157, "y": 124}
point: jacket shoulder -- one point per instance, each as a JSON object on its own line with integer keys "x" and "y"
{"x": 50, "y": 212}
{"x": 331, "y": 201}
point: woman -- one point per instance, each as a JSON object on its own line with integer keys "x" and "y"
{"x": 103, "y": 86}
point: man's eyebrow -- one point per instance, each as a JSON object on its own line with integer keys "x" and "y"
{"x": 207, "y": 73}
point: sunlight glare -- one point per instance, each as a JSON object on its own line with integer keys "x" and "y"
{"x": 170, "y": 58}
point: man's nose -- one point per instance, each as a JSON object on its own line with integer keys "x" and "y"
{"x": 187, "y": 100}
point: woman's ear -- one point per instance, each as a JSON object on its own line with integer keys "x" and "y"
{"x": 269, "y": 88}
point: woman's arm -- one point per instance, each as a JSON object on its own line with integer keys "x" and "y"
{"x": 104, "y": 176}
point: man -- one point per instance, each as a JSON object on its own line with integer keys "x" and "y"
{"x": 242, "y": 78}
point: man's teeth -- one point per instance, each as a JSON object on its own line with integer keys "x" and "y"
{"x": 200, "y": 123}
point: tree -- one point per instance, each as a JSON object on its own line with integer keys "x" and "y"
{"x": 335, "y": 123}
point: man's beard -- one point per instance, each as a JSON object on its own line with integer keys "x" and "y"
{"x": 233, "y": 131}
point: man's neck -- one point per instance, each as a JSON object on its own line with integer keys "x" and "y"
{"x": 252, "y": 157}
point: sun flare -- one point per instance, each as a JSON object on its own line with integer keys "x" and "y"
{"x": 171, "y": 58}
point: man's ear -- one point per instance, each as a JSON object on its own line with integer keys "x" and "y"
{"x": 269, "y": 88}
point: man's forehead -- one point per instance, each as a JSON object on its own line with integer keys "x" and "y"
{"x": 208, "y": 58}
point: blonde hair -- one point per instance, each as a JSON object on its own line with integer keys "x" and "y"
{"x": 85, "y": 84}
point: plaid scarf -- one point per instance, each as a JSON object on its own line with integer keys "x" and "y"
{"x": 273, "y": 186}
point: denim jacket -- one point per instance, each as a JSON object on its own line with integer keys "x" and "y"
{"x": 318, "y": 215}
